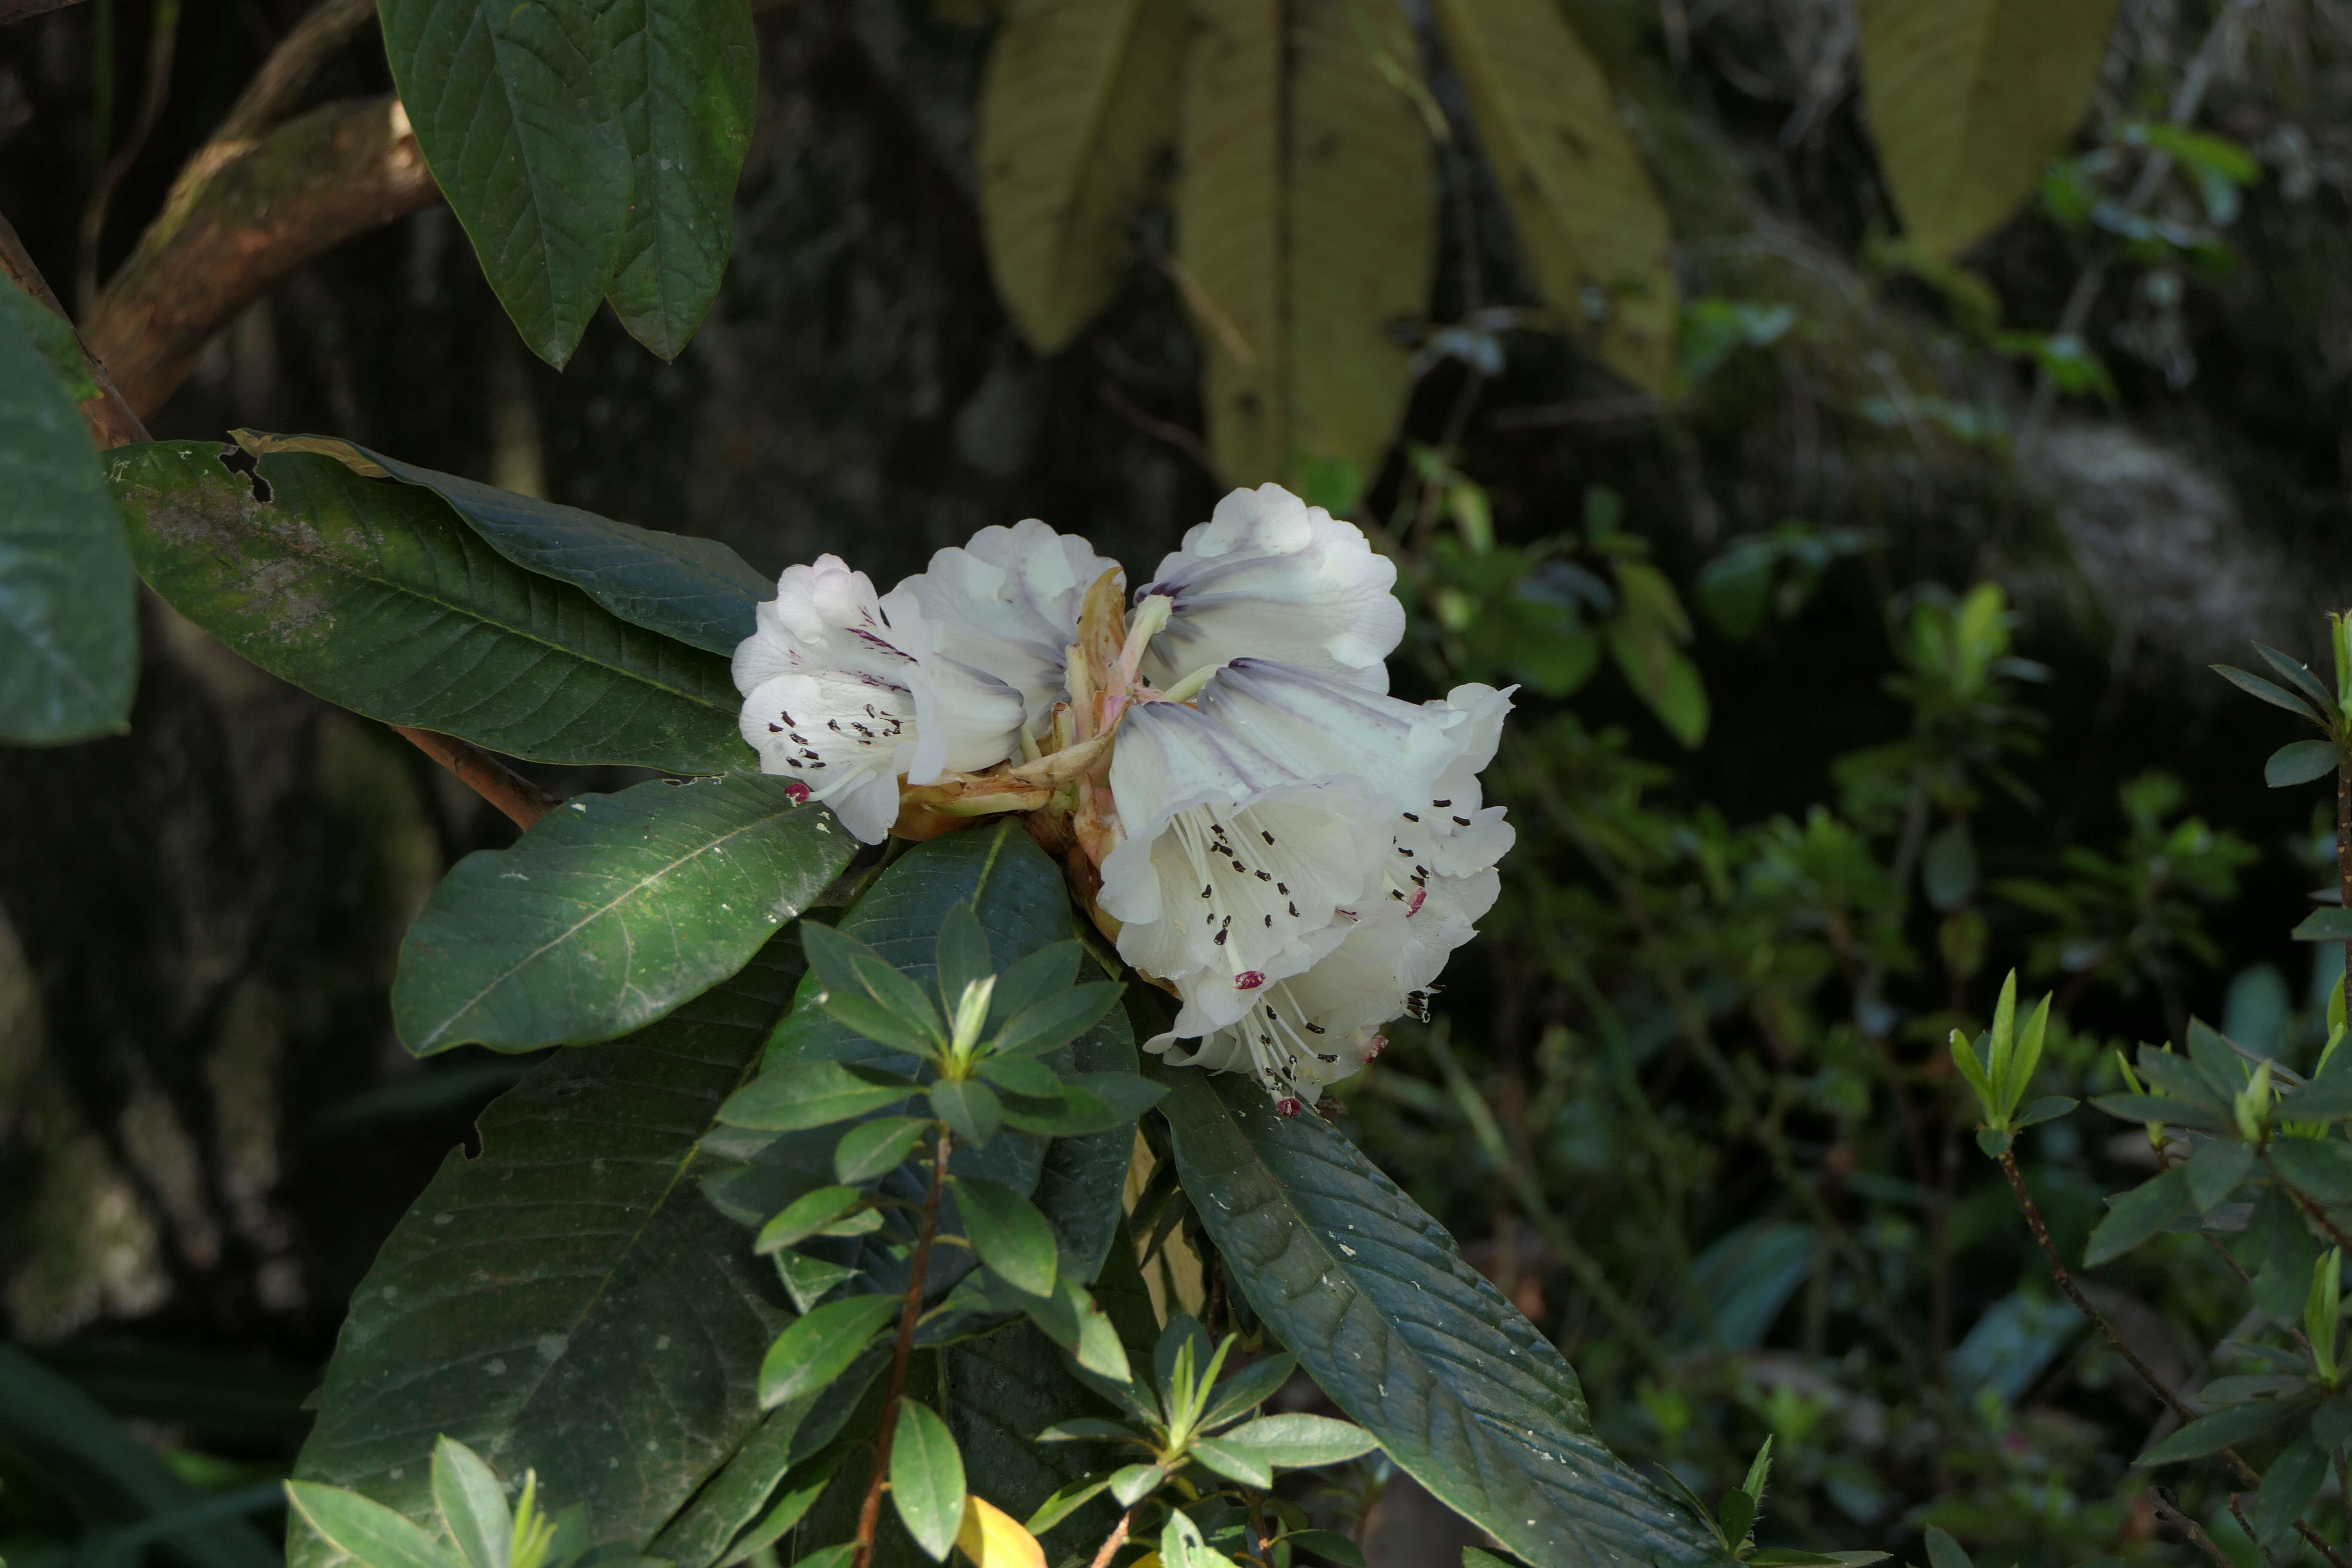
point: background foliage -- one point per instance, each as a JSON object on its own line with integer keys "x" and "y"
{"x": 1856, "y": 532}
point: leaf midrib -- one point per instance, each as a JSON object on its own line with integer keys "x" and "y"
{"x": 599, "y": 912}
{"x": 1468, "y": 1414}
{"x": 311, "y": 544}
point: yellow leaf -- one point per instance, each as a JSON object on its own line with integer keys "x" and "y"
{"x": 1305, "y": 229}
{"x": 1588, "y": 219}
{"x": 995, "y": 1539}
{"x": 1969, "y": 100}
{"x": 1078, "y": 103}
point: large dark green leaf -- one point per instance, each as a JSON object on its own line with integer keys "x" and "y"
{"x": 1409, "y": 1340}
{"x": 511, "y": 108}
{"x": 376, "y": 596}
{"x": 69, "y": 627}
{"x": 566, "y": 1301}
{"x": 611, "y": 912}
{"x": 695, "y": 590}
{"x": 685, "y": 75}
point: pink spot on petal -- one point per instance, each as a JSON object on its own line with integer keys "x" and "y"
{"x": 1248, "y": 980}
{"x": 798, "y": 791}
{"x": 1378, "y": 1044}
{"x": 1413, "y": 909}
{"x": 1288, "y": 1107}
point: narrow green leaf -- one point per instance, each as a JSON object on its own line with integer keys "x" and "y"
{"x": 2300, "y": 761}
{"x": 927, "y": 1479}
{"x": 819, "y": 1346}
{"x": 971, "y": 1110}
{"x": 2222, "y": 1429}
{"x": 1327, "y": 1544}
{"x": 1065, "y": 1502}
{"x": 2329, "y": 923}
{"x": 1056, "y": 1020}
{"x": 511, "y": 114}
{"x": 1088, "y": 1428}
{"x": 1023, "y": 1077}
{"x": 2149, "y": 1108}
{"x": 2215, "y": 1170}
{"x": 2255, "y": 686}
{"x": 1995, "y": 1141}
{"x": 847, "y": 964}
{"x": 379, "y": 598}
{"x": 2290, "y": 1487}
{"x": 788, "y": 1510}
{"x": 2180, "y": 1077}
{"x": 2328, "y": 1099}
{"x": 1736, "y": 1516}
{"x": 1078, "y": 1112}
{"x": 812, "y": 1214}
{"x": 1294, "y": 1441}
{"x": 1048, "y": 972}
{"x": 1972, "y": 1068}
{"x": 68, "y": 606}
{"x": 872, "y": 1150}
{"x": 1943, "y": 1552}
{"x": 1130, "y": 1484}
{"x": 610, "y": 912}
{"x": 814, "y": 1095}
{"x": 1235, "y": 1462}
{"x": 2319, "y": 1168}
{"x": 829, "y": 1557}
{"x": 2024, "y": 1059}
{"x": 472, "y": 1505}
{"x": 2136, "y": 1215}
{"x": 2001, "y": 1041}
{"x": 1011, "y": 1237}
{"x": 362, "y": 1528}
{"x": 1247, "y": 1389}
{"x": 2298, "y": 675}
{"x": 2049, "y": 1107}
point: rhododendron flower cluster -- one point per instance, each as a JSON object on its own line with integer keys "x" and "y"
{"x": 1241, "y": 807}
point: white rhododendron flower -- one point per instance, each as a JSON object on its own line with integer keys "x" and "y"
{"x": 1271, "y": 578}
{"x": 1265, "y": 832}
{"x": 846, "y": 692}
{"x": 1008, "y": 603}
{"x": 1233, "y": 863}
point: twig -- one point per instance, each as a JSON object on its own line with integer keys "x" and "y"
{"x": 523, "y": 802}
{"x": 288, "y": 69}
{"x": 161, "y": 43}
{"x": 2168, "y": 1509}
{"x": 869, "y": 1513}
{"x": 2311, "y": 1206}
{"x": 2246, "y": 1474}
{"x": 1117, "y": 1539}
{"x": 246, "y": 215}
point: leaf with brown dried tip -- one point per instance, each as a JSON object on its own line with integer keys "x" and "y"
{"x": 1078, "y": 104}
{"x": 1589, "y": 219}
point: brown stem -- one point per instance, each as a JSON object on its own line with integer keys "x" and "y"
{"x": 869, "y": 1513}
{"x": 2168, "y": 1508}
{"x": 247, "y": 213}
{"x": 1117, "y": 1539}
{"x": 523, "y": 802}
{"x": 111, "y": 420}
{"x": 2311, "y": 1206}
{"x": 160, "y": 46}
{"x": 287, "y": 70}
{"x": 2247, "y": 1475}
{"x": 1258, "y": 1523}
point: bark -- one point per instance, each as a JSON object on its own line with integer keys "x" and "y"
{"x": 250, "y": 213}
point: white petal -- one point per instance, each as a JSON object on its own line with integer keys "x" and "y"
{"x": 1319, "y": 726}
{"x": 843, "y": 688}
{"x": 1007, "y": 604}
{"x": 1232, "y": 867}
{"x": 1458, "y": 834}
{"x": 1271, "y": 576}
